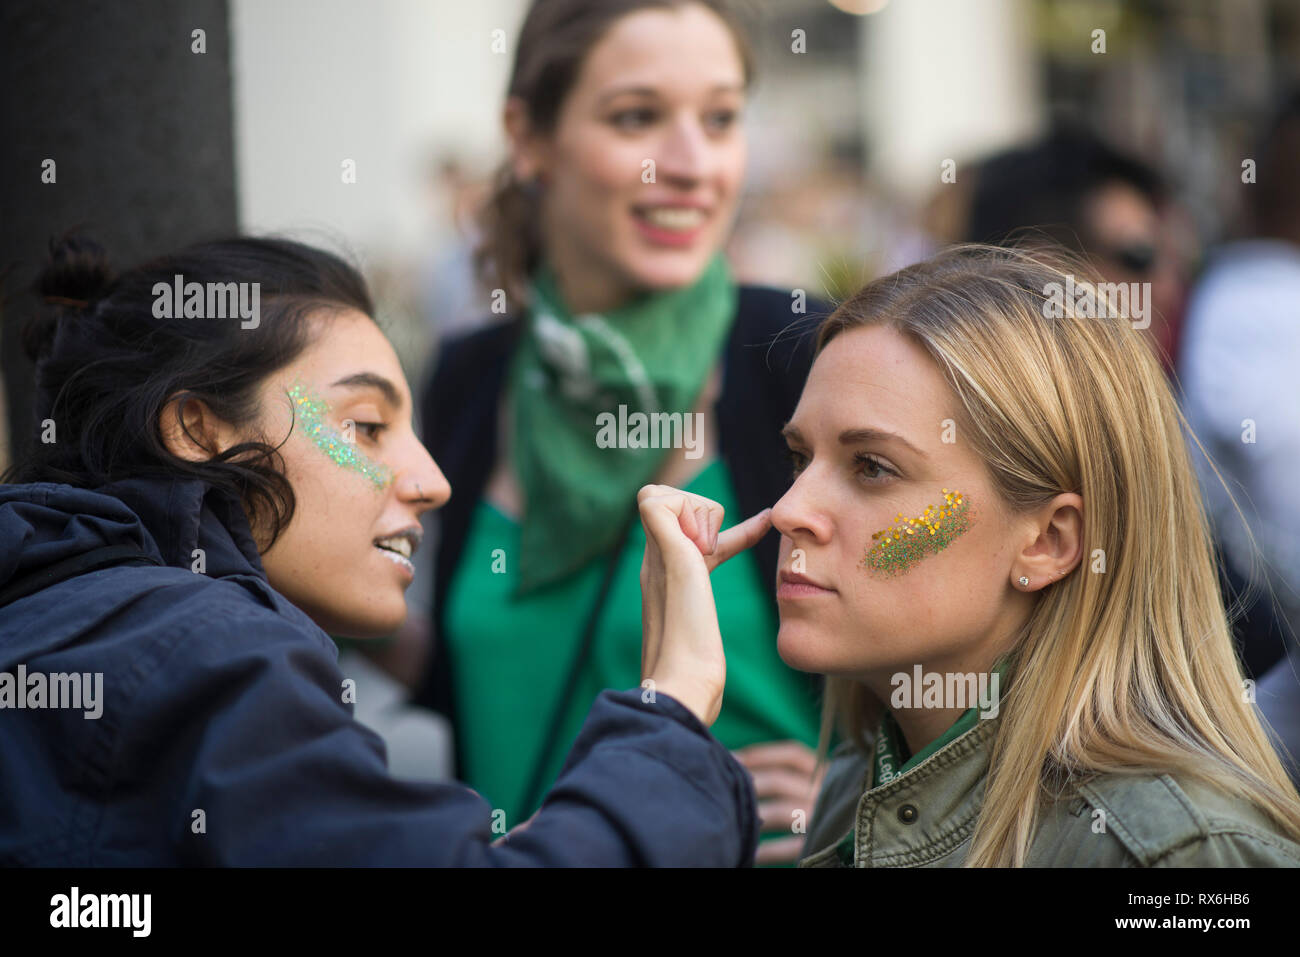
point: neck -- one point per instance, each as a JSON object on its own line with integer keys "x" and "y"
{"x": 909, "y": 698}
{"x": 585, "y": 289}
{"x": 920, "y": 726}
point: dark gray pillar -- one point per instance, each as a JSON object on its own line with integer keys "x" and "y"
{"x": 139, "y": 127}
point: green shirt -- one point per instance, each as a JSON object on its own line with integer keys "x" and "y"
{"x": 510, "y": 656}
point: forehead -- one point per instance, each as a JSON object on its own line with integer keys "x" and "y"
{"x": 680, "y": 48}
{"x": 1120, "y": 207}
{"x": 875, "y": 372}
{"x": 346, "y": 342}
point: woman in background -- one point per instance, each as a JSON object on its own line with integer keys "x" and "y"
{"x": 604, "y": 241}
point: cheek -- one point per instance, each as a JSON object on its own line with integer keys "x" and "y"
{"x": 916, "y": 575}
{"x": 908, "y": 543}
{"x": 335, "y": 509}
{"x": 731, "y": 169}
{"x": 597, "y": 171}
{"x": 341, "y": 450}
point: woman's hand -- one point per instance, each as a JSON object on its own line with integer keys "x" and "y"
{"x": 787, "y": 781}
{"x": 681, "y": 647}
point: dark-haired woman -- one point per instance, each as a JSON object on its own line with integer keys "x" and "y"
{"x": 605, "y": 237}
{"x": 220, "y": 481}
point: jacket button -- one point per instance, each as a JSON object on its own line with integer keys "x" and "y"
{"x": 907, "y": 813}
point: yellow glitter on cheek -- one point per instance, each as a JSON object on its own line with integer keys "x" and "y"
{"x": 310, "y": 411}
{"x": 898, "y": 548}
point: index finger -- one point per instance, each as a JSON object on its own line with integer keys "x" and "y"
{"x": 739, "y": 537}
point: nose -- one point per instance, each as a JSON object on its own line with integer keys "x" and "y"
{"x": 797, "y": 514}
{"x": 423, "y": 484}
{"x": 684, "y": 152}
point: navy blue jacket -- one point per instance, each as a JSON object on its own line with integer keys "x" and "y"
{"x": 220, "y": 696}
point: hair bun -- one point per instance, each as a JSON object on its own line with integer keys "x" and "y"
{"x": 78, "y": 272}
{"x": 76, "y": 276}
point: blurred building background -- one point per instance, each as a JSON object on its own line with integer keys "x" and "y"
{"x": 859, "y": 105}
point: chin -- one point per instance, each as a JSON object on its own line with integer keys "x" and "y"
{"x": 660, "y": 270}
{"x": 799, "y": 650}
{"x": 370, "y": 633}
{"x": 368, "y": 624}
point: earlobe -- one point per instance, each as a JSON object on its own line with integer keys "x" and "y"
{"x": 523, "y": 163}
{"x": 1028, "y": 584}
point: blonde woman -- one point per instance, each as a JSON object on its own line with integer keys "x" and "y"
{"x": 994, "y": 547}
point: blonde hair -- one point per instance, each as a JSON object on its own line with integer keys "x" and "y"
{"x": 1133, "y": 665}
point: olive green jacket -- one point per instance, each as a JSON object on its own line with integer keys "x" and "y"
{"x": 925, "y": 818}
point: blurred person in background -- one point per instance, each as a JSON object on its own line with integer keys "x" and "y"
{"x": 1073, "y": 188}
{"x": 604, "y": 239}
{"x": 1096, "y": 201}
{"x": 1239, "y": 366}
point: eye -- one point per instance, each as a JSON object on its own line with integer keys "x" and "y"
{"x": 798, "y": 461}
{"x": 720, "y": 120}
{"x": 376, "y": 426}
{"x": 871, "y": 468}
{"x": 630, "y": 121}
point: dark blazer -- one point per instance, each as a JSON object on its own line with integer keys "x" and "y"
{"x": 219, "y": 695}
{"x": 764, "y": 364}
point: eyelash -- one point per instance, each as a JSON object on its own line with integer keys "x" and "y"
{"x": 861, "y": 458}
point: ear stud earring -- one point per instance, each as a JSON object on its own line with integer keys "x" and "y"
{"x": 1024, "y": 582}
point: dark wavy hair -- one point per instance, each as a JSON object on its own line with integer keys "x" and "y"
{"x": 106, "y": 367}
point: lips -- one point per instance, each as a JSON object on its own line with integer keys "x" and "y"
{"x": 399, "y": 546}
{"x": 678, "y": 219}
{"x": 796, "y": 585}
{"x": 797, "y": 578}
{"x": 671, "y": 225}
{"x": 404, "y": 541}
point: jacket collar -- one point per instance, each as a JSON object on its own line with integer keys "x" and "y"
{"x": 185, "y": 514}
{"x": 923, "y": 814}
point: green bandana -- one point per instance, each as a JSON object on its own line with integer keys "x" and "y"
{"x": 587, "y": 395}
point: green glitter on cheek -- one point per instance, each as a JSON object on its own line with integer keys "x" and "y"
{"x": 905, "y": 543}
{"x": 311, "y": 412}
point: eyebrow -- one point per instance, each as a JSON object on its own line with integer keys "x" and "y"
{"x": 651, "y": 91}
{"x": 855, "y": 436}
{"x": 371, "y": 380}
